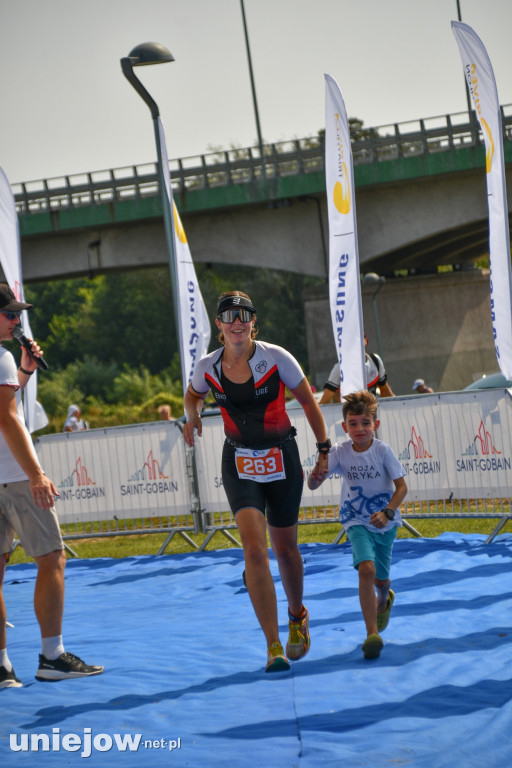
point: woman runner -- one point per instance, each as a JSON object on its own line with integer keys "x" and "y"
{"x": 261, "y": 468}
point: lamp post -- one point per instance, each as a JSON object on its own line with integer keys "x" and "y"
{"x": 468, "y": 97}
{"x": 144, "y": 55}
{"x": 372, "y": 278}
{"x": 253, "y": 89}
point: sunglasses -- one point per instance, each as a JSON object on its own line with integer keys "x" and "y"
{"x": 11, "y": 315}
{"x": 229, "y": 315}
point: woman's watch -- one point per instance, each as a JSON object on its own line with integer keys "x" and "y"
{"x": 324, "y": 448}
{"x": 390, "y": 513}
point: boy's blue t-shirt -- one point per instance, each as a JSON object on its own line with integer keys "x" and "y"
{"x": 367, "y": 482}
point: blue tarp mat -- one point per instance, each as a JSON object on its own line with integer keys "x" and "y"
{"x": 184, "y": 660}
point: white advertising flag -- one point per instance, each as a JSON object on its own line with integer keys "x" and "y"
{"x": 482, "y": 87}
{"x": 194, "y": 330}
{"x": 344, "y": 278}
{"x": 10, "y": 260}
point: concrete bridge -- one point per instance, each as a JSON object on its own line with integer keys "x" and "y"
{"x": 420, "y": 197}
{"x": 421, "y": 202}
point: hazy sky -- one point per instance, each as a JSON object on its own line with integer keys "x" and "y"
{"x": 67, "y": 108}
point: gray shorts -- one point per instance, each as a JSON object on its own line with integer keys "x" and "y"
{"x": 37, "y": 529}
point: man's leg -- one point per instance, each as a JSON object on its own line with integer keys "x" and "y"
{"x": 3, "y": 612}
{"x": 54, "y": 662}
{"x": 8, "y": 677}
{"x": 49, "y": 592}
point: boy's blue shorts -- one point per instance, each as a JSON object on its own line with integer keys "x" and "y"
{"x": 377, "y": 547}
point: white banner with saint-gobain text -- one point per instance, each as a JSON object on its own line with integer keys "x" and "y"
{"x": 344, "y": 278}
{"x": 482, "y": 86}
{"x": 10, "y": 260}
{"x": 454, "y": 445}
{"x": 119, "y": 473}
{"x": 194, "y": 330}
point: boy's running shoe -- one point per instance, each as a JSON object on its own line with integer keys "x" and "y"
{"x": 277, "y": 661}
{"x": 298, "y": 638}
{"x": 383, "y": 618}
{"x": 67, "y": 665}
{"x": 8, "y": 679}
{"x": 372, "y": 646}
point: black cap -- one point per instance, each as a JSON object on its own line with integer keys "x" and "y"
{"x": 8, "y": 302}
{"x": 231, "y": 302}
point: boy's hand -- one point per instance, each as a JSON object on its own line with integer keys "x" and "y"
{"x": 379, "y": 519}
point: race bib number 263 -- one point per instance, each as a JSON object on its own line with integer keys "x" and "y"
{"x": 262, "y": 466}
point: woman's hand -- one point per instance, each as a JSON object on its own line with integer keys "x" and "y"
{"x": 193, "y": 405}
{"x": 193, "y": 424}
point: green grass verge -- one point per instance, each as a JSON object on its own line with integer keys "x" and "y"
{"x": 149, "y": 544}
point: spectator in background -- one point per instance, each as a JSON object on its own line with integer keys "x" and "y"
{"x": 165, "y": 413}
{"x": 74, "y": 421}
{"x": 375, "y": 377}
{"x": 421, "y": 388}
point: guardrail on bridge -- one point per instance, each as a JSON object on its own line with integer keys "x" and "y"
{"x": 241, "y": 166}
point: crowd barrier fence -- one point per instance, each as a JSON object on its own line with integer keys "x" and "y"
{"x": 456, "y": 448}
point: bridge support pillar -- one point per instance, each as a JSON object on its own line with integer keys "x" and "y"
{"x": 436, "y": 327}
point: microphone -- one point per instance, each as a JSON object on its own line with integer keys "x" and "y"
{"x": 17, "y": 333}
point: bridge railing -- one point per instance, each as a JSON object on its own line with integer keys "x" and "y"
{"x": 244, "y": 165}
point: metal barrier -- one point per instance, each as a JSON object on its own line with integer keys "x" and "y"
{"x": 240, "y": 166}
{"x": 122, "y": 481}
{"x": 456, "y": 448}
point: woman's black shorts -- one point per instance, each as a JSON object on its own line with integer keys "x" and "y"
{"x": 280, "y": 499}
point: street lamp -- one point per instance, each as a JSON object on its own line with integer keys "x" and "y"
{"x": 253, "y": 89}
{"x": 143, "y": 55}
{"x": 372, "y": 278}
{"x": 468, "y": 97}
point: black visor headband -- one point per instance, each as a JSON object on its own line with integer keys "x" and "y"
{"x": 232, "y": 302}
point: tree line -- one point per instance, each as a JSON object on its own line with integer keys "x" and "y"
{"x": 111, "y": 344}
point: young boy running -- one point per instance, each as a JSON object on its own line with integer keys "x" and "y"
{"x": 373, "y": 487}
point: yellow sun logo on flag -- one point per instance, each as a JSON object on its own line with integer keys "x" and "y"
{"x": 341, "y": 193}
{"x": 178, "y": 226}
{"x": 490, "y": 146}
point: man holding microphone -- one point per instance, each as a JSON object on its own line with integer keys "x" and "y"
{"x": 27, "y": 510}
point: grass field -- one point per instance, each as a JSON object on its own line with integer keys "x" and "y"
{"x": 119, "y": 546}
